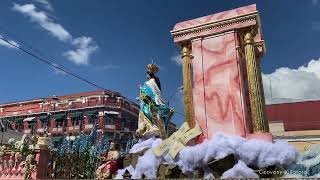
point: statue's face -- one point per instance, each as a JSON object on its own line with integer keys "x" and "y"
{"x": 112, "y": 146}
{"x": 148, "y": 77}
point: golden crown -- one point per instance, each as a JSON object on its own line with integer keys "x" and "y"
{"x": 152, "y": 68}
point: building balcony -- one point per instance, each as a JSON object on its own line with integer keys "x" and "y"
{"x": 89, "y": 120}
{"x": 57, "y": 124}
{"x": 74, "y": 120}
{"x": 87, "y": 127}
{"x": 57, "y": 130}
{"x": 73, "y": 129}
{"x": 40, "y": 130}
{"x": 109, "y": 127}
{"x": 27, "y": 131}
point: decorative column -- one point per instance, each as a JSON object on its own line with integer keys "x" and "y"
{"x": 257, "y": 101}
{"x": 187, "y": 84}
{"x": 42, "y": 157}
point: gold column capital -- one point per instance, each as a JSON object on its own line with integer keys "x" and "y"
{"x": 185, "y": 50}
{"x": 249, "y": 35}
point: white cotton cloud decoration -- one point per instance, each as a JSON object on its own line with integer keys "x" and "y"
{"x": 148, "y": 165}
{"x": 248, "y": 152}
{"x": 192, "y": 157}
{"x": 143, "y": 144}
{"x": 264, "y": 154}
{"x": 240, "y": 170}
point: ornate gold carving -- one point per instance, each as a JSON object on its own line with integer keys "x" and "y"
{"x": 215, "y": 25}
{"x": 256, "y": 94}
{"x": 187, "y": 84}
{"x": 261, "y": 45}
{"x": 248, "y": 36}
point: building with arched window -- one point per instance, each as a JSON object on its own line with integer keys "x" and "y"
{"x": 114, "y": 115}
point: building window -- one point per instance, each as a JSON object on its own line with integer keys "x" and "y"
{"x": 31, "y": 126}
{"x": 59, "y": 123}
{"x": 44, "y": 121}
{"x": 76, "y": 118}
{"x": 110, "y": 118}
{"x": 92, "y": 115}
{"x": 19, "y": 123}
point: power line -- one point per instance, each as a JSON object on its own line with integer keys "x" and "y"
{"x": 25, "y": 44}
{"x": 59, "y": 67}
{"x": 52, "y": 64}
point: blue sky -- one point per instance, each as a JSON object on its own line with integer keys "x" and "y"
{"x": 110, "y": 43}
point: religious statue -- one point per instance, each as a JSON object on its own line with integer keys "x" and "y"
{"x": 109, "y": 165}
{"x": 154, "y": 113}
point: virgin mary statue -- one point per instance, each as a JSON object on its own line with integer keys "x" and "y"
{"x": 154, "y": 115}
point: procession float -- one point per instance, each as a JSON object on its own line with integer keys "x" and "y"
{"x": 225, "y": 133}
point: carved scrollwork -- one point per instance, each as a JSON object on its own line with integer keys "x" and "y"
{"x": 217, "y": 26}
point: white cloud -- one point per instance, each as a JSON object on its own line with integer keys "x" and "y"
{"x": 43, "y": 20}
{"x": 177, "y": 59}
{"x": 315, "y": 2}
{"x": 85, "y": 46}
{"x": 45, "y": 3}
{"x": 290, "y": 85}
{"x": 3, "y": 43}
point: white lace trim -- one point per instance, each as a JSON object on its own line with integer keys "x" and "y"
{"x": 155, "y": 89}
